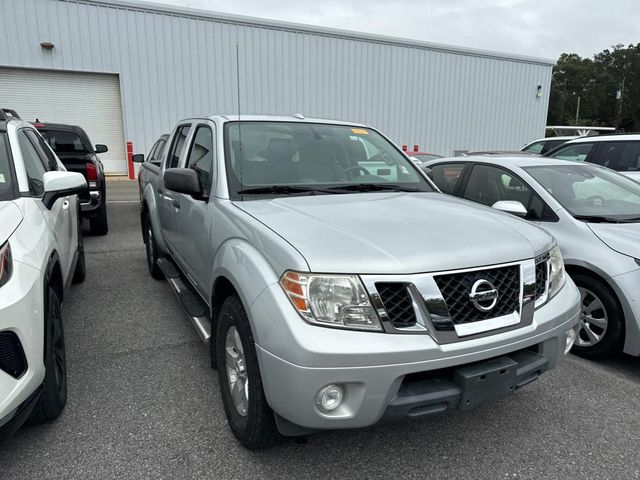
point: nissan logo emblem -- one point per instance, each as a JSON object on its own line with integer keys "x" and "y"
{"x": 484, "y": 295}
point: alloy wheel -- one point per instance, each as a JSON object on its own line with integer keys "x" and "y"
{"x": 237, "y": 374}
{"x": 593, "y": 319}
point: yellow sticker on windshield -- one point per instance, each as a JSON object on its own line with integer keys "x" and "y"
{"x": 360, "y": 131}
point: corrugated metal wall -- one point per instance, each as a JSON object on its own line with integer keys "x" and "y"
{"x": 173, "y": 65}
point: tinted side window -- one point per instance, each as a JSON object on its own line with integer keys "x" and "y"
{"x": 488, "y": 185}
{"x": 33, "y": 165}
{"x": 200, "y": 157}
{"x": 173, "y": 158}
{"x": 44, "y": 150}
{"x": 535, "y": 147}
{"x": 447, "y": 176}
{"x": 578, "y": 152}
{"x": 620, "y": 156}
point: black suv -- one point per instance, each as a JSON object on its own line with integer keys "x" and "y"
{"x": 73, "y": 148}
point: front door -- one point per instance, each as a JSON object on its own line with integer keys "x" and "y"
{"x": 192, "y": 218}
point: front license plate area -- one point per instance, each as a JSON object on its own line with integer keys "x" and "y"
{"x": 486, "y": 381}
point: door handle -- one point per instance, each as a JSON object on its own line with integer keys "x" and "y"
{"x": 176, "y": 202}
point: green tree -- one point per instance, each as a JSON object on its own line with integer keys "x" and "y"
{"x": 596, "y": 81}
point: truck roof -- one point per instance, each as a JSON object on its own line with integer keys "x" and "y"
{"x": 273, "y": 118}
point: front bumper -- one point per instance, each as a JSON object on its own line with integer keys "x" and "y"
{"x": 22, "y": 313}
{"x": 381, "y": 389}
{"x": 626, "y": 287}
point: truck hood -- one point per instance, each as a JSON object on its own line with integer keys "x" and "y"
{"x": 387, "y": 233}
{"x": 622, "y": 237}
{"x": 10, "y": 218}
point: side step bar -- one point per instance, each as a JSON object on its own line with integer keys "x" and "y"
{"x": 192, "y": 304}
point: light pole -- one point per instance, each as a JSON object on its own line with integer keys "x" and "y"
{"x": 619, "y": 96}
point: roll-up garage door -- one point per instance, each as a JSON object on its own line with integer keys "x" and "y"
{"x": 91, "y": 100}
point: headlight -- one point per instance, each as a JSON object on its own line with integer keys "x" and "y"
{"x": 6, "y": 265}
{"x": 556, "y": 271}
{"x": 331, "y": 300}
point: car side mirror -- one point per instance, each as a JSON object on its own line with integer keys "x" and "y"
{"x": 138, "y": 158}
{"x": 100, "y": 148}
{"x": 183, "y": 180}
{"x": 511, "y": 206}
{"x": 61, "y": 184}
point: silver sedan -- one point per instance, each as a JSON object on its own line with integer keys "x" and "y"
{"x": 593, "y": 212}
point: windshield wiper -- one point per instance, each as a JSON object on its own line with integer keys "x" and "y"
{"x": 601, "y": 219}
{"x": 374, "y": 187}
{"x": 282, "y": 190}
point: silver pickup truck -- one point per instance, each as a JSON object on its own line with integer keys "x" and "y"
{"x": 337, "y": 287}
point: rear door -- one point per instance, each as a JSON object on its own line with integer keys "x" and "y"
{"x": 192, "y": 216}
{"x": 167, "y": 199}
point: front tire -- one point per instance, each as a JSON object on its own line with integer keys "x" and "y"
{"x": 152, "y": 251}
{"x": 601, "y": 319}
{"x": 250, "y": 418}
{"x": 53, "y": 397}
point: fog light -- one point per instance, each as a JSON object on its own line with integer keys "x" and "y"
{"x": 330, "y": 397}
{"x": 571, "y": 338}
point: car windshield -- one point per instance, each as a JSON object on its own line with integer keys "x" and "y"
{"x": 282, "y": 158}
{"x": 590, "y": 192}
{"x": 64, "y": 142}
{"x": 6, "y": 189}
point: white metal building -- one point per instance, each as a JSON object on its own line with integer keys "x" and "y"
{"x": 128, "y": 71}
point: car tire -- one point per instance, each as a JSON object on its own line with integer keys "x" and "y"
{"x": 252, "y": 421}
{"x": 99, "y": 225}
{"x": 152, "y": 251}
{"x": 80, "y": 273}
{"x": 53, "y": 396}
{"x": 601, "y": 319}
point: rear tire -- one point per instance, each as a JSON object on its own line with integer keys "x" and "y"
{"x": 53, "y": 397}
{"x": 250, "y": 418}
{"x": 100, "y": 225}
{"x": 152, "y": 251}
{"x": 601, "y": 319}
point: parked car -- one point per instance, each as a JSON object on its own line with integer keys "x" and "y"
{"x": 592, "y": 211}
{"x": 618, "y": 152}
{"x": 41, "y": 253}
{"x": 545, "y": 145}
{"x": 336, "y": 286}
{"x": 73, "y": 147}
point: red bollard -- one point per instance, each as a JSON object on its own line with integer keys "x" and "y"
{"x": 132, "y": 173}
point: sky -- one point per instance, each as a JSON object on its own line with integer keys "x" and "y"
{"x": 539, "y": 28}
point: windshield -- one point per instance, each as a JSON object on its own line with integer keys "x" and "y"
{"x": 280, "y": 158}
{"x": 590, "y": 192}
{"x": 64, "y": 142}
{"x": 6, "y": 188}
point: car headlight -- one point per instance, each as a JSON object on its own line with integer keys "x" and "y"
{"x": 557, "y": 274}
{"x": 6, "y": 265}
{"x": 331, "y": 300}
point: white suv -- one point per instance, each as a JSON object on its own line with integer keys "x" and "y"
{"x": 41, "y": 252}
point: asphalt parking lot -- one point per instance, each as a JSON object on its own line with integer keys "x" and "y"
{"x": 143, "y": 403}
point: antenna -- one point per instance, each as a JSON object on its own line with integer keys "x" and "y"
{"x": 239, "y": 122}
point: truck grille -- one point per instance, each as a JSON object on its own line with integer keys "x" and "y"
{"x": 397, "y": 303}
{"x": 12, "y": 359}
{"x": 456, "y": 287}
{"x": 541, "y": 279}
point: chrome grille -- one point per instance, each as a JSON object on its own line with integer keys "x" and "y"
{"x": 541, "y": 279}
{"x": 456, "y": 287}
{"x": 397, "y": 303}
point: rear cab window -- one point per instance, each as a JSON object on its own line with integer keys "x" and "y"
{"x": 65, "y": 142}
{"x": 7, "y": 184}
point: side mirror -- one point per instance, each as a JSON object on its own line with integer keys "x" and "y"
{"x": 101, "y": 148}
{"x": 182, "y": 180}
{"x": 138, "y": 158}
{"x": 511, "y": 206}
{"x": 61, "y": 184}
